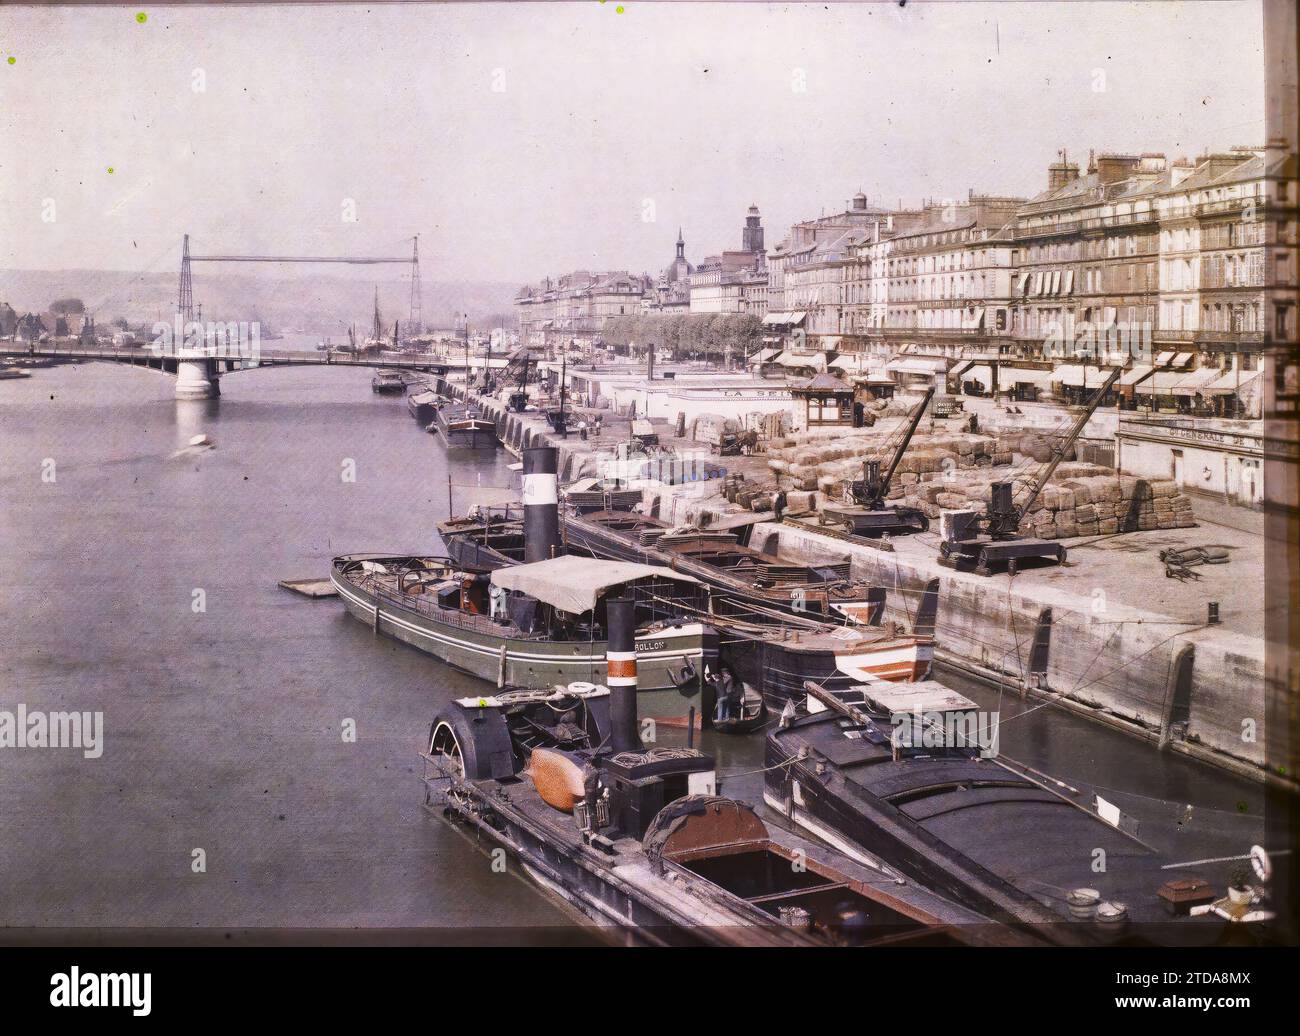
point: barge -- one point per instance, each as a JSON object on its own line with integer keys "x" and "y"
{"x": 906, "y": 775}
{"x": 423, "y": 406}
{"x": 388, "y": 382}
{"x": 464, "y": 426}
{"x": 638, "y": 841}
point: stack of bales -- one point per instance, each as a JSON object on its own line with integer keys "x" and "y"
{"x": 1081, "y": 500}
{"x": 827, "y": 462}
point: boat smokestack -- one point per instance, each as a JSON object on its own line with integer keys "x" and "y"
{"x": 541, "y": 506}
{"x": 620, "y": 662}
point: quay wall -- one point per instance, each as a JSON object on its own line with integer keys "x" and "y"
{"x": 1119, "y": 664}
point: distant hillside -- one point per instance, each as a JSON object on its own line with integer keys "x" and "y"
{"x": 316, "y": 303}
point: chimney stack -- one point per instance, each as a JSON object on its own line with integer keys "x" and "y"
{"x": 1114, "y": 168}
{"x": 620, "y": 663}
{"x": 1060, "y": 173}
{"x": 541, "y": 504}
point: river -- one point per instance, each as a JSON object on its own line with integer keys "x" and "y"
{"x": 138, "y": 578}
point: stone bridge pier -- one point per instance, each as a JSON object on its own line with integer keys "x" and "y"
{"x": 196, "y": 377}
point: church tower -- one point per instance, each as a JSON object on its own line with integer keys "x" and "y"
{"x": 751, "y": 239}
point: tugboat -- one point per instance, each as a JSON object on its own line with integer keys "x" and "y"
{"x": 905, "y": 774}
{"x": 638, "y": 840}
{"x": 464, "y": 426}
{"x": 532, "y": 624}
{"x": 769, "y": 650}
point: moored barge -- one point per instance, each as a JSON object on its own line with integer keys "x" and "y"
{"x": 909, "y": 775}
{"x": 465, "y": 426}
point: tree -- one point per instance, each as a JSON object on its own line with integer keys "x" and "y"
{"x": 63, "y": 307}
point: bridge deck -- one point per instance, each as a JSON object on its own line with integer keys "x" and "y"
{"x": 148, "y": 356}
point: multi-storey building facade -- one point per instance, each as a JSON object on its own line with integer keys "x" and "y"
{"x": 576, "y": 305}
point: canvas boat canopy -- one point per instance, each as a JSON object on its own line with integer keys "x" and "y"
{"x": 574, "y": 584}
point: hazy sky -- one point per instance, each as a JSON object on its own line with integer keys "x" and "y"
{"x": 520, "y": 140}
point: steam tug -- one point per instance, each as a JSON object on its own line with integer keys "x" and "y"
{"x": 765, "y": 652}
{"x": 638, "y": 840}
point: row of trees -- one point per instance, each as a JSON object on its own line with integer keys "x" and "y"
{"x": 687, "y": 335}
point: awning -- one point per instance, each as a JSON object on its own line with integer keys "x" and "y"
{"x": 816, "y": 361}
{"x": 1161, "y": 383}
{"x": 1169, "y": 358}
{"x": 1228, "y": 384}
{"x": 918, "y": 365}
{"x": 854, "y": 363}
{"x": 1080, "y": 375}
{"x": 1024, "y": 376}
{"x": 763, "y": 356}
{"x": 1195, "y": 381}
{"x": 784, "y": 319}
{"x": 828, "y": 342}
{"x": 574, "y": 584}
{"x": 1135, "y": 373}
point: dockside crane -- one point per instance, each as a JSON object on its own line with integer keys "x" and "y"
{"x": 868, "y": 514}
{"x": 988, "y": 540}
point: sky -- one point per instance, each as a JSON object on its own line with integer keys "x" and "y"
{"x": 521, "y": 140}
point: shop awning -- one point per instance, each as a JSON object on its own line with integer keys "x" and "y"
{"x": 1080, "y": 375}
{"x": 918, "y": 365}
{"x": 1195, "y": 381}
{"x": 1169, "y": 358}
{"x": 816, "y": 361}
{"x": 1135, "y": 373}
{"x": 763, "y": 356}
{"x": 1228, "y": 384}
{"x": 1161, "y": 383}
{"x": 791, "y": 319}
{"x": 1024, "y": 376}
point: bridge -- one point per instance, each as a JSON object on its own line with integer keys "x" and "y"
{"x": 198, "y": 355}
{"x": 198, "y": 370}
